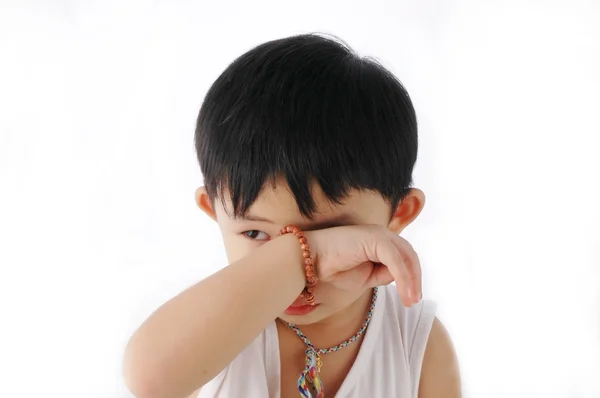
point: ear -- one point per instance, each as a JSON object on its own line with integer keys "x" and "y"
{"x": 204, "y": 203}
{"x": 408, "y": 209}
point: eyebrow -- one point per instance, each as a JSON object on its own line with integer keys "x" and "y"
{"x": 339, "y": 221}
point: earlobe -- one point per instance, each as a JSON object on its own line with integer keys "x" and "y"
{"x": 407, "y": 210}
{"x": 204, "y": 203}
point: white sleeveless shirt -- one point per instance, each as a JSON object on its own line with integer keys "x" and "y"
{"x": 388, "y": 363}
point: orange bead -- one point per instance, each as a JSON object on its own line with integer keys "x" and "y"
{"x": 311, "y": 278}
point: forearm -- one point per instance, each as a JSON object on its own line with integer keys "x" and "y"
{"x": 192, "y": 337}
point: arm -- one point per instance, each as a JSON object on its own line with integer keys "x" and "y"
{"x": 195, "y": 393}
{"x": 440, "y": 377}
{"x": 195, "y": 335}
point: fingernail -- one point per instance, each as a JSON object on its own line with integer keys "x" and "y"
{"x": 418, "y": 298}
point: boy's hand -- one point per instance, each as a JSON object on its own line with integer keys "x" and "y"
{"x": 355, "y": 257}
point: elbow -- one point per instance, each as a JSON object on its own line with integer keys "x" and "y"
{"x": 148, "y": 377}
{"x": 142, "y": 388}
{"x": 141, "y": 377}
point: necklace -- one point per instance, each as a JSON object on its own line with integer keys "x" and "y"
{"x": 309, "y": 379}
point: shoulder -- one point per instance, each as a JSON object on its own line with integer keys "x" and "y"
{"x": 427, "y": 347}
{"x": 414, "y": 324}
{"x": 440, "y": 376}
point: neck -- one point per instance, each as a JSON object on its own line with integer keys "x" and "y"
{"x": 341, "y": 325}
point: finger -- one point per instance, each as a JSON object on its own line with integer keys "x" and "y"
{"x": 413, "y": 267}
{"x": 389, "y": 255}
{"x": 380, "y": 276}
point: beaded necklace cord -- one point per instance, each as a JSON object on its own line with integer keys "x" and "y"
{"x": 309, "y": 379}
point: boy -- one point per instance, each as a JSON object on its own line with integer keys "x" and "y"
{"x": 301, "y": 132}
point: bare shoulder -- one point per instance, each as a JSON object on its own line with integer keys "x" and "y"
{"x": 440, "y": 376}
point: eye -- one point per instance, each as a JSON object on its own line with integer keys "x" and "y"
{"x": 254, "y": 234}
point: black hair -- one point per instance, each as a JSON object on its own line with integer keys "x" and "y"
{"x": 308, "y": 109}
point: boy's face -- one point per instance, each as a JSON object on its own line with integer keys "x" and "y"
{"x": 276, "y": 207}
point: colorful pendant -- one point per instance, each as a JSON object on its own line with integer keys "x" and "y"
{"x": 309, "y": 381}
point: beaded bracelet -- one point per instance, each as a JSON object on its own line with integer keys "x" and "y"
{"x": 309, "y": 266}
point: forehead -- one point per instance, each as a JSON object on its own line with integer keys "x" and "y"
{"x": 276, "y": 204}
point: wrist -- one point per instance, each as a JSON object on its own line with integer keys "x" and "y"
{"x": 288, "y": 249}
{"x": 307, "y": 259}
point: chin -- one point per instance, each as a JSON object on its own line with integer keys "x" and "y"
{"x": 313, "y": 316}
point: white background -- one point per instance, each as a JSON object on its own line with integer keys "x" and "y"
{"x": 97, "y": 173}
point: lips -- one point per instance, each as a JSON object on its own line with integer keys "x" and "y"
{"x": 301, "y": 310}
{"x": 299, "y": 302}
{"x": 300, "y": 307}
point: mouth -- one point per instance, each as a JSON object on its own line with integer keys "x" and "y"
{"x": 300, "y": 309}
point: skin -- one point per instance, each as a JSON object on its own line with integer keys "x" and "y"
{"x": 341, "y": 312}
